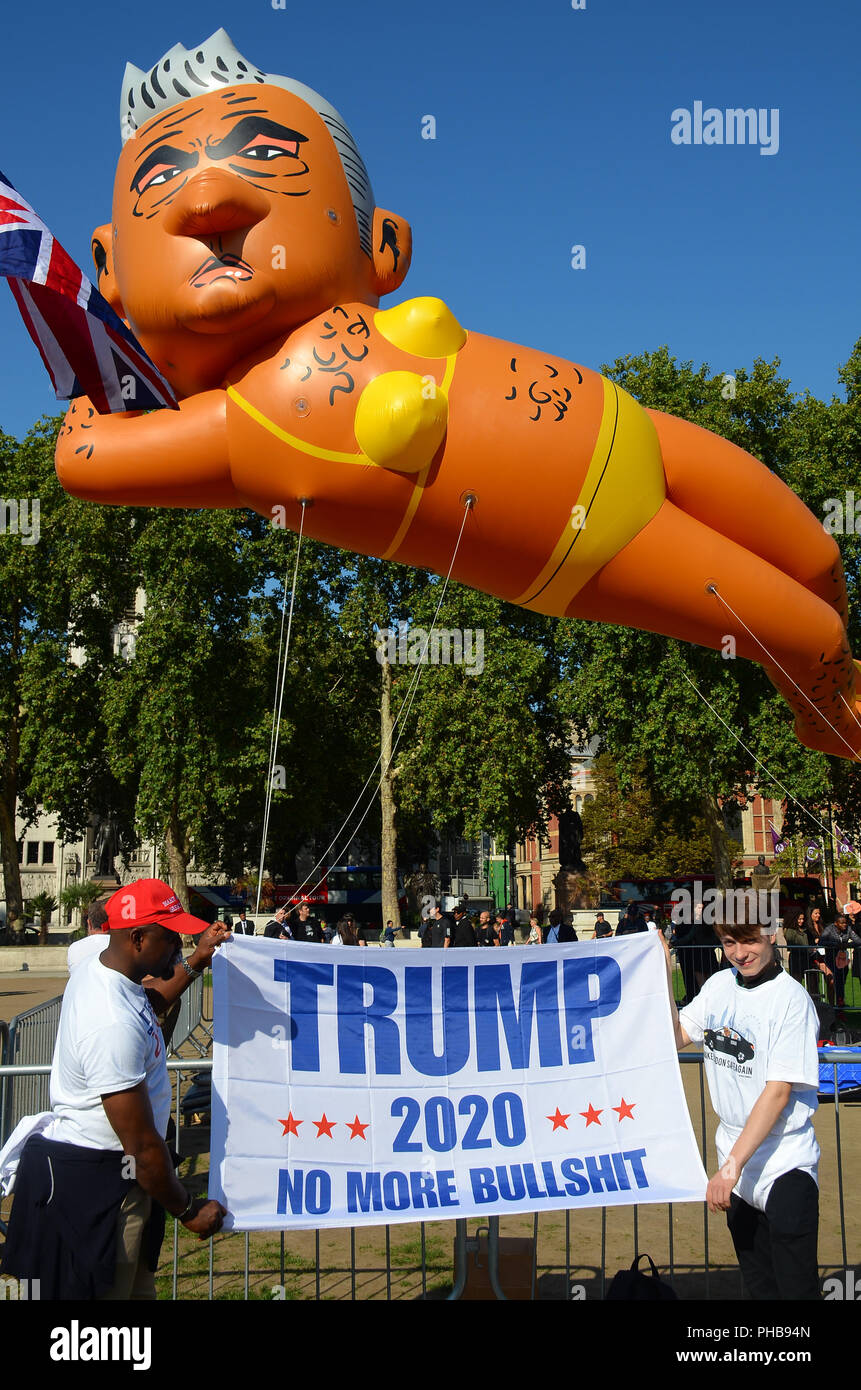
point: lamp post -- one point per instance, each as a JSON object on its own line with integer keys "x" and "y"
{"x": 829, "y": 863}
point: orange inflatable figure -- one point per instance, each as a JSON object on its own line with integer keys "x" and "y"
{"x": 247, "y": 254}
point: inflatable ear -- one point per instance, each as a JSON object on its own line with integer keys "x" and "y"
{"x": 102, "y": 247}
{"x": 392, "y": 250}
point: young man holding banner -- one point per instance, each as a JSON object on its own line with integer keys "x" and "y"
{"x": 759, "y": 1031}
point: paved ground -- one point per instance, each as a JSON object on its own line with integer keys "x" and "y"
{"x": 27, "y": 988}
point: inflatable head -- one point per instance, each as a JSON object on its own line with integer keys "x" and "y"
{"x": 241, "y": 209}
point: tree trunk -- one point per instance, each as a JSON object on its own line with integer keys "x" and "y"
{"x": 720, "y": 842}
{"x": 389, "y": 840}
{"x": 9, "y": 853}
{"x": 178, "y": 853}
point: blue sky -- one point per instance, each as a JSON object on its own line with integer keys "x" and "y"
{"x": 552, "y": 129}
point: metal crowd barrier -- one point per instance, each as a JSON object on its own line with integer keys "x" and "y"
{"x": 30, "y": 1040}
{"x": 697, "y": 962}
{"x": 190, "y": 1020}
{"x": 568, "y": 1254}
{"x": 206, "y": 1011}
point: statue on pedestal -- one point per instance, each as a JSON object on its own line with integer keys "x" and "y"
{"x": 421, "y": 885}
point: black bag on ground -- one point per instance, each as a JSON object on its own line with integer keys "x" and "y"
{"x": 634, "y": 1284}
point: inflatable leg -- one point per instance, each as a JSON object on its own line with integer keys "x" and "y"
{"x": 733, "y": 493}
{"x": 665, "y": 575}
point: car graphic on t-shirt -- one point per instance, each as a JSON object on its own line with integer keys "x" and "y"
{"x": 733, "y": 1044}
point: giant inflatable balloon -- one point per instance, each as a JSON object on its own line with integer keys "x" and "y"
{"x": 247, "y": 254}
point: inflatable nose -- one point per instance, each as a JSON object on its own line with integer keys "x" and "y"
{"x": 215, "y": 201}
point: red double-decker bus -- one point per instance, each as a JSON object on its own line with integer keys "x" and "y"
{"x": 795, "y": 893}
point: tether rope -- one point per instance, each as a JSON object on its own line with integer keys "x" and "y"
{"x": 280, "y": 679}
{"x": 400, "y": 719}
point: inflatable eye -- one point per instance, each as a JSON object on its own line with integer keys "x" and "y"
{"x": 163, "y": 173}
{"x": 266, "y": 147}
{"x": 161, "y": 167}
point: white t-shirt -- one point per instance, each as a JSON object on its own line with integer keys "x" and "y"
{"x": 87, "y": 946}
{"x": 108, "y": 1040}
{"x": 749, "y": 1037}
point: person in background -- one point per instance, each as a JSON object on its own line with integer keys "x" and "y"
{"x": 818, "y": 961}
{"x": 567, "y": 930}
{"x": 836, "y": 940}
{"x": 441, "y": 929}
{"x": 486, "y": 933}
{"x": 277, "y": 926}
{"x": 534, "y": 938}
{"x": 679, "y": 941}
{"x": 505, "y": 921}
{"x": 696, "y": 955}
{"x": 389, "y": 935}
{"x": 464, "y": 931}
{"x": 632, "y": 921}
{"x": 651, "y": 924}
{"x": 345, "y": 933}
{"x": 797, "y": 943}
{"x": 303, "y": 926}
{"x": 96, "y": 939}
{"x": 602, "y": 928}
{"x": 242, "y": 926}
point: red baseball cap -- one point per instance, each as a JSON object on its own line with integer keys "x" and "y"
{"x": 150, "y": 902}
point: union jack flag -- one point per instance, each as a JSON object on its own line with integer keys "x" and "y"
{"x": 85, "y": 346}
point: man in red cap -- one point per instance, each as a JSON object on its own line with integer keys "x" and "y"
{"x": 91, "y": 1189}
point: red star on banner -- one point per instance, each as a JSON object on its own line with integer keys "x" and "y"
{"x": 356, "y": 1128}
{"x": 558, "y": 1120}
{"x": 324, "y": 1126}
{"x": 291, "y": 1126}
{"x": 626, "y": 1109}
{"x": 591, "y": 1115}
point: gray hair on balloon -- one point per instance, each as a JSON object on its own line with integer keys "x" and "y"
{"x": 184, "y": 73}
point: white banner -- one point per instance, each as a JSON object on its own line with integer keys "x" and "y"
{"x": 363, "y": 1087}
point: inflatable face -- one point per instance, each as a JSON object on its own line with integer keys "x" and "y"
{"x": 236, "y": 217}
{"x": 248, "y": 255}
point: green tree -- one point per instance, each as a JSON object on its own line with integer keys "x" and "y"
{"x": 634, "y": 832}
{"x": 51, "y": 739}
{"x": 183, "y": 704}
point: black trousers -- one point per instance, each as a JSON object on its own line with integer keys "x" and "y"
{"x": 776, "y": 1249}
